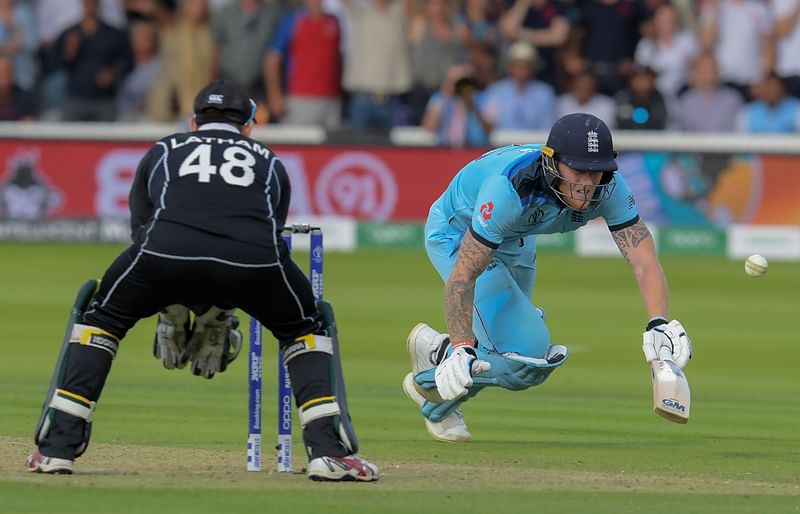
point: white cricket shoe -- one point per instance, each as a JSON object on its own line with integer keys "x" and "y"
{"x": 342, "y": 469}
{"x": 452, "y": 429}
{"x": 38, "y": 463}
{"x": 423, "y": 345}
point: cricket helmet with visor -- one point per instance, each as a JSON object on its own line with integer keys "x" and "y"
{"x": 583, "y": 142}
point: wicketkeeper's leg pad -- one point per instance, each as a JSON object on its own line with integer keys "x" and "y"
{"x": 319, "y": 396}
{"x": 308, "y": 343}
{"x": 317, "y": 405}
{"x": 87, "y": 335}
{"x": 83, "y": 363}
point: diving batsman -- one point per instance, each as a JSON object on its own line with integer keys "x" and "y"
{"x": 480, "y": 236}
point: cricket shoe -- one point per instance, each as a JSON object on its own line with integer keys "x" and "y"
{"x": 38, "y": 463}
{"x": 426, "y": 347}
{"x": 351, "y": 468}
{"x": 452, "y": 429}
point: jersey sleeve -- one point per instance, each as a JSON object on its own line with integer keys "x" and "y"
{"x": 620, "y": 211}
{"x": 285, "y": 192}
{"x": 139, "y": 201}
{"x": 497, "y": 206}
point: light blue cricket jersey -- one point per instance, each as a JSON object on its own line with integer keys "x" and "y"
{"x": 502, "y": 198}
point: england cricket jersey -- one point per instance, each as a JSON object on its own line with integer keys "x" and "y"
{"x": 502, "y": 198}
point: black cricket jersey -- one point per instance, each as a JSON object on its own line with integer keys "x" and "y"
{"x": 212, "y": 194}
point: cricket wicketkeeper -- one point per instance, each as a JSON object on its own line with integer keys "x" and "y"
{"x": 207, "y": 211}
{"x": 481, "y": 238}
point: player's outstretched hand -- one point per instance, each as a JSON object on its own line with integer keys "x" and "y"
{"x": 667, "y": 341}
{"x": 454, "y": 374}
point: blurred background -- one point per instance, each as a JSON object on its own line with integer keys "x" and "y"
{"x": 375, "y": 104}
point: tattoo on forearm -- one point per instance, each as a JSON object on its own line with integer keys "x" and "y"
{"x": 473, "y": 257}
{"x": 630, "y": 237}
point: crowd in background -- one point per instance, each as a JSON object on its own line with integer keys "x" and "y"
{"x": 461, "y": 69}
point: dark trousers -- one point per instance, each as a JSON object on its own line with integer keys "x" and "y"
{"x": 138, "y": 284}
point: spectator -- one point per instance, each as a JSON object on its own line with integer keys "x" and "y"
{"x": 377, "y": 70}
{"x": 606, "y": 37}
{"x": 669, "y": 52}
{"x": 435, "y": 48}
{"x": 483, "y": 60}
{"x": 740, "y": 33}
{"x": 18, "y": 40}
{"x": 707, "y": 106}
{"x": 186, "y": 52}
{"x": 787, "y": 31}
{"x": 52, "y": 18}
{"x": 641, "y": 106}
{"x": 474, "y": 26}
{"x": 583, "y": 96}
{"x": 542, "y": 24}
{"x": 135, "y": 89}
{"x": 16, "y": 104}
{"x": 520, "y": 102}
{"x": 454, "y": 112}
{"x": 772, "y": 112}
{"x": 242, "y": 31}
{"x": 307, "y": 47}
{"x": 96, "y": 57}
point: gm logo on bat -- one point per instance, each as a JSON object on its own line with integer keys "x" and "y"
{"x": 673, "y": 404}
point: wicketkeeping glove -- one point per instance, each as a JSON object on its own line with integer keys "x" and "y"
{"x": 172, "y": 332}
{"x": 215, "y": 342}
{"x": 664, "y": 340}
{"x": 454, "y": 374}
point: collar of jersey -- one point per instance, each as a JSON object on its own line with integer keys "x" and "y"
{"x": 218, "y": 126}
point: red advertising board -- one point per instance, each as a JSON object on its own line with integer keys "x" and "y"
{"x": 84, "y": 179}
{"x": 43, "y": 179}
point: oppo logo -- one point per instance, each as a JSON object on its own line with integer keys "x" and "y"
{"x": 286, "y": 413}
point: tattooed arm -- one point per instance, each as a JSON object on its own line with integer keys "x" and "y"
{"x": 473, "y": 257}
{"x": 636, "y": 245}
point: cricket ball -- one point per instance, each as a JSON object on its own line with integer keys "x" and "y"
{"x": 756, "y": 266}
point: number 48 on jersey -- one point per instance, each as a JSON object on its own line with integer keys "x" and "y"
{"x": 236, "y": 170}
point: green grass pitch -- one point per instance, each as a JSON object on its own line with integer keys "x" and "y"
{"x": 586, "y": 441}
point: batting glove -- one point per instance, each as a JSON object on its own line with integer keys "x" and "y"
{"x": 454, "y": 374}
{"x": 667, "y": 341}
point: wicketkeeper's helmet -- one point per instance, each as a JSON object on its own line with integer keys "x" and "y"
{"x": 224, "y": 101}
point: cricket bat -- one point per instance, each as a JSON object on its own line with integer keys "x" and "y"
{"x": 671, "y": 394}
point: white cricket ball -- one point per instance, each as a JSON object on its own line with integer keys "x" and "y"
{"x": 756, "y": 266}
